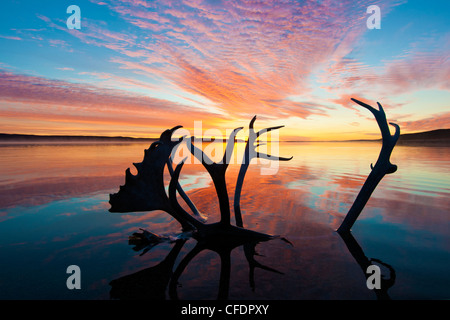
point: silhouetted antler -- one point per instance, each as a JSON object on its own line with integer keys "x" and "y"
{"x": 183, "y": 194}
{"x": 382, "y": 167}
{"x": 248, "y": 156}
{"x": 145, "y": 191}
{"x": 173, "y": 197}
{"x": 217, "y": 172}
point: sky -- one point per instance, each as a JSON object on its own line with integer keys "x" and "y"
{"x": 135, "y": 67}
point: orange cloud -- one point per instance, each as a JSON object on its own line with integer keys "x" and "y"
{"x": 29, "y": 97}
{"x": 437, "y": 121}
{"x": 414, "y": 71}
{"x": 241, "y": 56}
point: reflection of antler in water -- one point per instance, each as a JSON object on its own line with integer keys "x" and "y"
{"x": 250, "y": 253}
{"x": 357, "y": 252}
{"x": 224, "y": 252}
{"x": 382, "y": 167}
{"x": 150, "y": 283}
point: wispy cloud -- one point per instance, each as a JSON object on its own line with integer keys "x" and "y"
{"x": 10, "y": 37}
{"x": 34, "y": 97}
{"x": 436, "y": 121}
{"x": 240, "y": 55}
{"x": 415, "y": 71}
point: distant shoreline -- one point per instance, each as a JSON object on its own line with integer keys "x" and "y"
{"x": 435, "y": 137}
{"x": 29, "y": 138}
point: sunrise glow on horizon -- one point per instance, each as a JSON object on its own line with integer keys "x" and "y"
{"x": 137, "y": 67}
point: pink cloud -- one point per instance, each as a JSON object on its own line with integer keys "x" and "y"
{"x": 437, "y": 121}
{"x": 239, "y": 55}
{"x": 10, "y": 37}
{"x": 422, "y": 70}
{"x": 35, "y": 98}
{"x": 414, "y": 71}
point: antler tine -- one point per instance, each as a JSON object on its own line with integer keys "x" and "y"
{"x": 230, "y": 146}
{"x": 167, "y": 134}
{"x": 176, "y": 128}
{"x": 267, "y": 156}
{"x": 365, "y": 105}
{"x": 183, "y": 194}
{"x": 380, "y": 117}
{"x": 265, "y": 130}
{"x": 270, "y": 157}
{"x": 252, "y": 123}
{"x": 248, "y": 155}
{"x": 262, "y": 131}
{"x": 198, "y": 153}
{"x": 217, "y": 173}
{"x": 397, "y": 131}
{"x": 173, "y": 198}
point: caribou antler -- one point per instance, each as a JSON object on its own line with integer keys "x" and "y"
{"x": 382, "y": 167}
{"x": 146, "y": 191}
{"x": 248, "y": 156}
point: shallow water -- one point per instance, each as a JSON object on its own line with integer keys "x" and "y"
{"x": 54, "y": 213}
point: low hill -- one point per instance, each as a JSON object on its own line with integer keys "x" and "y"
{"x": 440, "y": 136}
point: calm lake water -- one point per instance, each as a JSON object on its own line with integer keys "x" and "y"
{"x": 54, "y": 213}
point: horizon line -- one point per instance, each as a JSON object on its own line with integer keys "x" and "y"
{"x": 37, "y": 136}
